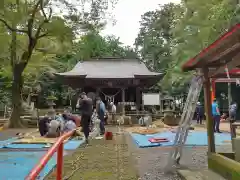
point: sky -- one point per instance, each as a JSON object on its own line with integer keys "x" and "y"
{"x": 127, "y": 15}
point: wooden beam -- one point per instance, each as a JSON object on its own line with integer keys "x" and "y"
{"x": 221, "y": 55}
{"x": 208, "y": 111}
{"x": 225, "y": 80}
{"x": 232, "y": 64}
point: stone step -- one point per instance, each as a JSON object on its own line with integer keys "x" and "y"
{"x": 205, "y": 174}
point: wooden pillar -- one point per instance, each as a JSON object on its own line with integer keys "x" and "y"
{"x": 208, "y": 111}
{"x": 123, "y": 101}
{"x": 232, "y": 129}
{"x": 98, "y": 92}
{"x": 142, "y": 105}
{"x": 138, "y": 99}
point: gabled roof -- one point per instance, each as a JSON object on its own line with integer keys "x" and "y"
{"x": 107, "y": 68}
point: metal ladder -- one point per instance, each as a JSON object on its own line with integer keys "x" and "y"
{"x": 185, "y": 122}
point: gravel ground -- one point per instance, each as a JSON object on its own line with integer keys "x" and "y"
{"x": 101, "y": 159}
{"x": 151, "y": 162}
{"x": 122, "y": 159}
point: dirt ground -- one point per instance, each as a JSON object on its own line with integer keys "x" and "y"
{"x": 101, "y": 159}
{"x": 9, "y": 133}
{"x": 122, "y": 159}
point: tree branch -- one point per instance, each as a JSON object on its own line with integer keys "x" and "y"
{"x": 42, "y": 35}
{"x": 46, "y": 20}
{"x": 11, "y": 28}
{"x": 32, "y": 40}
{"x": 31, "y": 19}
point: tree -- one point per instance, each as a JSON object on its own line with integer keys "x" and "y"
{"x": 154, "y": 41}
{"x": 93, "y": 45}
{"x": 34, "y": 22}
{"x": 154, "y": 38}
{"x": 173, "y": 34}
{"x": 197, "y": 25}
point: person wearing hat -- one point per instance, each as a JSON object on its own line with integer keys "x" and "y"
{"x": 85, "y": 106}
{"x": 216, "y": 116}
{"x": 200, "y": 113}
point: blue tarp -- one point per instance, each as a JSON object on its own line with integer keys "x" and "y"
{"x": 17, "y": 165}
{"x": 195, "y": 138}
{"x": 70, "y": 145}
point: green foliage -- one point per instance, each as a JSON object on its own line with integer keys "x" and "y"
{"x": 34, "y": 34}
{"x": 174, "y": 33}
{"x": 93, "y": 45}
{"x": 155, "y": 37}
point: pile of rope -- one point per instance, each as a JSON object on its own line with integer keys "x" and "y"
{"x": 144, "y": 130}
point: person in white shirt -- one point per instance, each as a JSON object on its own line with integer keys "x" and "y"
{"x": 113, "y": 111}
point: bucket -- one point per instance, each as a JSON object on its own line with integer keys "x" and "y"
{"x": 108, "y": 135}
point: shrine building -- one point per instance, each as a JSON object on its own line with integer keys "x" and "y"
{"x": 117, "y": 80}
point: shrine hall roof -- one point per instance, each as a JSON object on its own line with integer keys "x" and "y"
{"x": 114, "y": 68}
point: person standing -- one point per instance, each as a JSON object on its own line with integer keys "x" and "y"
{"x": 85, "y": 105}
{"x": 216, "y": 116}
{"x": 233, "y": 111}
{"x": 113, "y": 111}
{"x": 200, "y": 113}
{"x": 100, "y": 107}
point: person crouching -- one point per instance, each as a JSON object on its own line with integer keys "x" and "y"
{"x": 55, "y": 125}
{"x": 69, "y": 124}
{"x": 54, "y": 129}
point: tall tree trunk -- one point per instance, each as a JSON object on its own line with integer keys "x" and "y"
{"x": 15, "y": 120}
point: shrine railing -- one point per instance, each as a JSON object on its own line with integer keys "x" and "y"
{"x": 57, "y": 147}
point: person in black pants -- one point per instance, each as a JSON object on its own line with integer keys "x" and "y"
{"x": 85, "y": 106}
{"x": 200, "y": 113}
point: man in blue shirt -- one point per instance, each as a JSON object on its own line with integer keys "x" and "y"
{"x": 216, "y": 116}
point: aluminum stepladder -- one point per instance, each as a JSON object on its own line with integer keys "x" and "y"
{"x": 185, "y": 122}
